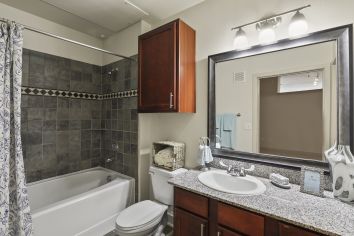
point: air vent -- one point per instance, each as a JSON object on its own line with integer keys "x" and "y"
{"x": 239, "y": 76}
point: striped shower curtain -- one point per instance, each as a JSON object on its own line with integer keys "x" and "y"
{"x": 15, "y": 218}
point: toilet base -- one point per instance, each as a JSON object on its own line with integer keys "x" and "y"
{"x": 155, "y": 231}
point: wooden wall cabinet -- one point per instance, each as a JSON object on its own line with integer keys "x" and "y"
{"x": 197, "y": 215}
{"x": 167, "y": 69}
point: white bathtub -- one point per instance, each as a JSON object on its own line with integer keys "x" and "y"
{"x": 81, "y": 203}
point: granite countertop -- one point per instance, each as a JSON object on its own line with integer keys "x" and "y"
{"x": 324, "y": 215}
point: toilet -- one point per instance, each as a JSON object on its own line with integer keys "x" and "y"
{"x": 147, "y": 217}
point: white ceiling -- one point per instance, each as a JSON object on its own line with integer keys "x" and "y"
{"x": 101, "y": 17}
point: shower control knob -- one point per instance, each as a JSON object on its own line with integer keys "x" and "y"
{"x": 115, "y": 147}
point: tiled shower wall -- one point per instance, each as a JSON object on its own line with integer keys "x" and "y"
{"x": 120, "y": 116}
{"x": 63, "y": 134}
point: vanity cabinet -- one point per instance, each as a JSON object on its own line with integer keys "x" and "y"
{"x": 199, "y": 215}
{"x": 167, "y": 69}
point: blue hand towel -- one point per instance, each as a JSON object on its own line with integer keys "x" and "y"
{"x": 228, "y": 131}
{"x": 229, "y": 122}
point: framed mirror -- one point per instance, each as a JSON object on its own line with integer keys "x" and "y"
{"x": 285, "y": 103}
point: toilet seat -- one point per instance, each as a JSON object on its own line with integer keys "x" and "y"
{"x": 139, "y": 217}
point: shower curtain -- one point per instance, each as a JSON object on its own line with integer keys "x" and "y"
{"x": 15, "y": 218}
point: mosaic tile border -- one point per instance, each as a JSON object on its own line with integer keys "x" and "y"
{"x": 78, "y": 95}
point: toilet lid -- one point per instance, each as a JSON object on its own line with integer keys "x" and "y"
{"x": 140, "y": 214}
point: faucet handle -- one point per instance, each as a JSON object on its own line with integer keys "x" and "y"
{"x": 243, "y": 170}
{"x": 250, "y": 169}
{"x": 223, "y": 164}
{"x": 228, "y": 167}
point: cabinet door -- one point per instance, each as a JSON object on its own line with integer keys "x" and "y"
{"x": 225, "y": 232}
{"x": 157, "y": 70}
{"x": 187, "y": 224}
{"x": 290, "y": 230}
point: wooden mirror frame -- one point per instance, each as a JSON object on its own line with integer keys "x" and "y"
{"x": 343, "y": 36}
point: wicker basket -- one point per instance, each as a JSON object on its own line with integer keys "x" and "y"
{"x": 178, "y": 153}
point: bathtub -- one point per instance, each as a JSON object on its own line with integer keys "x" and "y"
{"x": 83, "y": 203}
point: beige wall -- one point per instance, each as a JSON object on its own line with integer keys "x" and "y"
{"x": 212, "y": 21}
{"x": 124, "y": 42}
{"x": 42, "y": 43}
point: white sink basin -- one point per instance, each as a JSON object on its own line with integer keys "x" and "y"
{"x": 221, "y": 181}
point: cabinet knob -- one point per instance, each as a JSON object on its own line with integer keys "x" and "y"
{"x": 171, "y": 100}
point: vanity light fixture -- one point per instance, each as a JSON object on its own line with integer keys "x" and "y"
{"x": 240, "y": 40}
{"x": 266, "y": 30}
{"x": 298, "y": 26}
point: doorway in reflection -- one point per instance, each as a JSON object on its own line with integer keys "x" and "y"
{"x": 290, "y": 115}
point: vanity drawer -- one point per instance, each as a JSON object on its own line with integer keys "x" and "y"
{"x": 225, "y": 232}
{"x": 191, "y": 202}
{"x": 290, "y": 230}
{"x": 242, "y": 221}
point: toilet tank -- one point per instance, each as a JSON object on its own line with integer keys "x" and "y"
{"x": 161, "y": 189}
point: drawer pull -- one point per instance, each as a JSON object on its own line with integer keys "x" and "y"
{"x": 171, "y": 100}
{"x": 202, "y": 229}
{"x": 219, "y": 234}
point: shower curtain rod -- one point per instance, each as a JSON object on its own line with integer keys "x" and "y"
{"x": 71, "y": 41}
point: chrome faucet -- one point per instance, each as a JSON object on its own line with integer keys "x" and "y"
{"x": 236, "y": 170}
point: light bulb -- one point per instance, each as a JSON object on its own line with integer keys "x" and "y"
{"x": 240, "y": 40}
{"x": 266, "y": 34}
{"x": 298, "y": 25}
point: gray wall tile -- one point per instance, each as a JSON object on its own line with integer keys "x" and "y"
{"x": 49, "y": 137}
{"x": 50, "y": 114}
{"x": 49, "y": 125}
{"x": 50, "y": 102}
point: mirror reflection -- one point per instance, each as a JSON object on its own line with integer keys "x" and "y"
{"x": 281, "y": 103}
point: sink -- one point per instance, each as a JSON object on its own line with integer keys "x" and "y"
{"x": 221, "y": 181}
